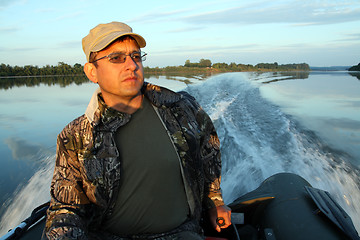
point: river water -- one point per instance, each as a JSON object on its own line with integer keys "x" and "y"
{"x": 304, "y": 123}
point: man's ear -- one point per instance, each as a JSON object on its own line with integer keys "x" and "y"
{"x": 90, "y": 71}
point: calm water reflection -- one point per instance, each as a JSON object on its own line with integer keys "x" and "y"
{"x": 33, "y": 111}
{"x": 326, "y": 102}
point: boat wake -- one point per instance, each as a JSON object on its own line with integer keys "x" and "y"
{"x": 34, "y": 193}
{"x": 258, "y": 140}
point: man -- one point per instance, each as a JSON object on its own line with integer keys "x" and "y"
{"x": 142, "y": 163}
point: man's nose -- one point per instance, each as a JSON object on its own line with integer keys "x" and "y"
{"x": 130, "y": 63}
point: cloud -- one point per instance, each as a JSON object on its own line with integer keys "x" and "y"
{"x": 295, "y": 13}
{"x": 187, "y": 29}
{"x": 6, "y": 3}
{"x": 70, "y": 44}
{"x": 19, "y": 49}
{"x": 45, "y": 10}
{"x": 290, "y": 12}
{"x": 158, "y": 15}
{"x": 351, "y": 37}
{"x": 70, "y": 15}
{"x": 208, "y": 49}
{"x": 5, "y": 30}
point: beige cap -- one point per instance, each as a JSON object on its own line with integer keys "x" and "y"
{"x": 103, "y": 34}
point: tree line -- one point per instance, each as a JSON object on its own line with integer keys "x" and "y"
{"x": 29, "y": 70}
{"x": 63, "y": 69}
{"x": 64, "y": 74}
{"x": 206, "y": 63}
{"x": 355, "y": 68}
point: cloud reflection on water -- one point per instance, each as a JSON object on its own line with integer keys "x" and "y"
{"x": 22, "y": 149}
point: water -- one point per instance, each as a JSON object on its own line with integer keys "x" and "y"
{"x": 267, "y": 123}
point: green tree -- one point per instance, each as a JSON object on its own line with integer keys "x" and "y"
{"x": 205, "y": 63}
{"x": 355, "y": 68}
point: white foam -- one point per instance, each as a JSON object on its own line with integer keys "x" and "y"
{"x": 259, "y": 140}
{"x": 33, "y": 194}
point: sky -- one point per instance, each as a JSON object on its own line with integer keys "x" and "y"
{"x": 317, "y": 32}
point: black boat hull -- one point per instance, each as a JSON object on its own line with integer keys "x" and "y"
{"x": 283, "y": 207}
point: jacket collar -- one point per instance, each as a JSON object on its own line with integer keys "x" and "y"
{"x": 158, "y": 96}
{"x": 91, "y": 110}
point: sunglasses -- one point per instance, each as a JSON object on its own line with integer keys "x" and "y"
{"x": 121, "y": 57}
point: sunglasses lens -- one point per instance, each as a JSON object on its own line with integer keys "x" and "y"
{"x": 121, "y": 57}
{"x": 136, "y": 57}
{"x": 117, "y": 58}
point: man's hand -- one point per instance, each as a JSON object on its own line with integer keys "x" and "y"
{"x": 221, "y": 214}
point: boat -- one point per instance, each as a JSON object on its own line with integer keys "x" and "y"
{"x": 285, "y": 206}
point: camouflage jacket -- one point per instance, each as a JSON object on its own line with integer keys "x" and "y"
{"x": 87, "y": 170}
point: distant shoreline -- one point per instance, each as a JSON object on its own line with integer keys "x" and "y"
{"x": 65, "y": 70}
{"x": 204, "y": 66}
{"x": 9, "y": 82}
{"x": 151, "y": 73}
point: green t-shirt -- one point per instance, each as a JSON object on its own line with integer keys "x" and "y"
{"x": 152, "y": 196}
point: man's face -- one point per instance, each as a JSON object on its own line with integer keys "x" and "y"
{"x": 119, "y": 81}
